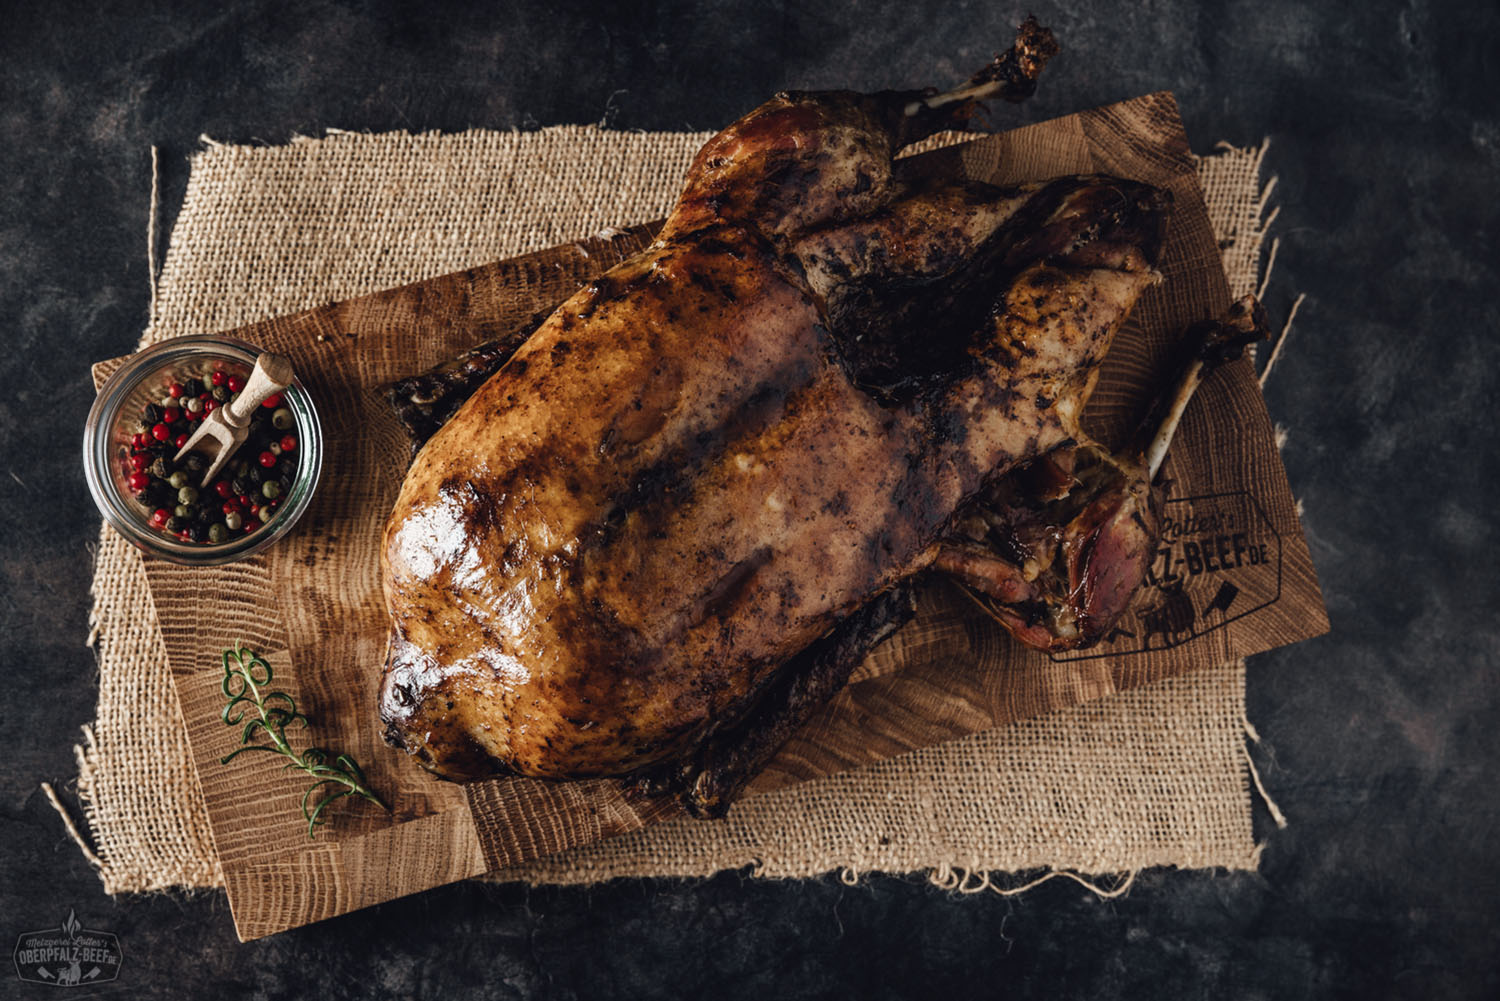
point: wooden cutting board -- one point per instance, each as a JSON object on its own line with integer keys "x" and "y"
{"x": 1233, "y": 576}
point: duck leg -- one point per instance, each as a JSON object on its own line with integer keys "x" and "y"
{"x": 1056, "y": 550}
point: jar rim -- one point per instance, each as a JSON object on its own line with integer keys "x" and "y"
{"x": 121, "y": 512}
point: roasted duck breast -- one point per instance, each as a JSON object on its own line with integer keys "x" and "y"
{"x": 671, "y": 522}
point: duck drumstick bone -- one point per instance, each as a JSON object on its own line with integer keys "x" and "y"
{"x": 1011, "y": 76}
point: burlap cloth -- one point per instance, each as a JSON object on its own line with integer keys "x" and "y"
{"x": 1158, "y": 776}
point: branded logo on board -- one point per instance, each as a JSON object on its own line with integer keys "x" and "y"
{"x": 1218, "y": 560}
{"x": 68, "y": 955}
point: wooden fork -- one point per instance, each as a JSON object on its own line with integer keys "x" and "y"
{"x": 229, "y": 425}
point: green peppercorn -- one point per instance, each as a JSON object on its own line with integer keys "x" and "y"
{"x": 193, "y": 405}
{"x": 270, "y": 490}
{"x": 234, "y": 520}
{"x": 182, "y": 511}
{"x": 178, "y": 479}
{"x": 282, "y": 419}
{"x": 187, "y": 495}
{"x": 217, "y": 533}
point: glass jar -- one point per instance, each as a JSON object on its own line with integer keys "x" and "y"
{"x": 114, "y": 419}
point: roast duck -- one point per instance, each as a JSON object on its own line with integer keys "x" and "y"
{"x": 682, "y": 510}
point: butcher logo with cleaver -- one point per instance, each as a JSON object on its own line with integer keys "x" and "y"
{"x": 67, "y": 956}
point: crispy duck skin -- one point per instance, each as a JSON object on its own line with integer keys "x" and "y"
{"x": 719, "y": 453}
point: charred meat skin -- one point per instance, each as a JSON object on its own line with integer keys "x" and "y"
{"x": 693, "y": 471}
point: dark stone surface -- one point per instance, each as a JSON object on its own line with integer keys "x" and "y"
{"x": 1380, "y": 739}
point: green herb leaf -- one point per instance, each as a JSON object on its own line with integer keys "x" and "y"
{"x": 247, "y": 676}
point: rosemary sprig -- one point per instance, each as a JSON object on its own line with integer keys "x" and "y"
{"x": 246, "y": 678}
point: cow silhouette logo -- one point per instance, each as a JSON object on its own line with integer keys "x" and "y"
{"x": 1171, "y": 617}
{"x": 68, "y": 955}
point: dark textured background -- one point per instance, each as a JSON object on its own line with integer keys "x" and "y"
{"x": 1380, "y": 740}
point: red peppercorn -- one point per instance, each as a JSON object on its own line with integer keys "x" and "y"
{"x": 231, "y": 506}
{"x": 139, "y": 481}
{"x": 139, "y": 461}
{"x": 268, "y": 459}
{"x": 175, "y": 390}
{"x": 217, "y": 379}
{"x": 185, "y": 535}
{"x": 251, "y": 525}
{"x": 209, "y": 406}
{"x": 160, "y": 432}
{"x": 244, "y": 500}
{"x": 223, "y": 489}
{"x": 235, "y": 383}
{"x": 159, "y": 517}
{"x": 171, "y": 415}
{"x": 289, "y": 443}
{"x": 272, "y": 402}
{"x": 180, "y": 440}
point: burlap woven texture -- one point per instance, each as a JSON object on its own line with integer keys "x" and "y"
{"x": 1156, "y": 776}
